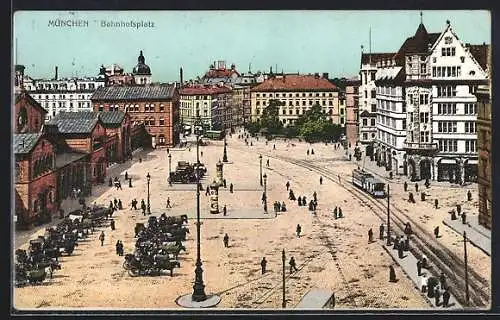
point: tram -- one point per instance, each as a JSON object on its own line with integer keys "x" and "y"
{"x": 367, "y": 182}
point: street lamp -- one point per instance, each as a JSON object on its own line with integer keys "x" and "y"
{"x": 265, "y": 193}
{"x": 169, "y": 169}
{"x": 149, "y": 205}
{"x": 224, "y": 157}
{"x": 260, "y": 158}
{"x": 198, "y": 288}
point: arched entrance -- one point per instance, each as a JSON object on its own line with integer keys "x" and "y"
{"x": 425, "y": 169}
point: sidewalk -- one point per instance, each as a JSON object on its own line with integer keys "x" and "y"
{"x": 478, "y": 235}
{"x": 409, "y": 264}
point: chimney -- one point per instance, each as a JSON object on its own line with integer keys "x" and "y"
{"x": 325, "y": 75}
{"x": 56, "y": 74}
{"x": 182, "y": 78}
{"x": 316, "y": 75}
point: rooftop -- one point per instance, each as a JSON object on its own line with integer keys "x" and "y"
{"x": 376, "y": 57}
{"x": 23, "y": 142}
{"x": 74, "y": 122}
{"x": 29, "y": 99}
{"x": 202, "y": 90}
{"x": 480, "y": 53}
{"x": 294, "y": 82}
{"x": 134, "y": 93}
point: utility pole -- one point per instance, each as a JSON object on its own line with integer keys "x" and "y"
{"x": 466, "y": 272}
{"x": 283, "y": 304}
{"x": 388, "y": 217}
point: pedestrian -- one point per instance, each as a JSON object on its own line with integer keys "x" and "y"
{"x": 282, "y": 206}
{"x": 298, "y": 230}
{"x": 436, "y": 203}
{"x": 442, "y": 280}
{"x": 224, "y": 182}
{"x": 437, "y": 295}
{"x": 226, "y": 241}
{"x": 201, "y": 153}
{"x": 120, "y": 249}
{"x": 267, "y": 163}
{"x": 407, "y": 243}
{"x": 320, "y": 180}
{"x": 134, "y": 204}
{"x": 293, "y": 265}
{"x": 436, "y": 231}
{"x": 112, "y": 225}
{"x": 381, "y": 232}
{"x": 312, "y": 151}
{"x": 263, "y": 265}
{"x": 207, "y": 192}
{"x": 392, "y": 274}
{"x": 101, "y": 238}
{"x": 410, "y": 198}
{"x": 400, "y": 249}
{"x": 168, "y": 203}
{"x": 339, "y": 178}
{"x": 453, "y": 215}
{"x": 307, "y": 152}
{"x": 416, "y": 187}
{"x": 446, "y": 297}
{"x": 287, "y": 185}
{"x": 111, "y": 206}
{"x": 299, "y": 201}
{"x": 117, "y": 247}
{"x": 335, "y": 213}
{"x": 459, "y": 208}
{"x": 224, "y": 210}
{"x": 464, "y": 218}
{"x": 419, "y": 268}
{"x": 427, "y": 183}
{"x": 274, "y": 147}
{"x": 120, "y": 204}
{"x": 231, "y": 187}
{"x": 424, "y": 261}
{"x": 130, "y": 182}
{"x": 115, "y": 203}
{"x": 126, "y": 175}
{"x": 423, "y": 283}
{"x": 140, "y": 160}
{"x": 315, "y": 196}
{"x": 405, "y": 186}
{"x": 370, "y": 235}
{"x": 469, "y": 195}
{"x": 110, "y": 182}
{"x": 341, "y": 215}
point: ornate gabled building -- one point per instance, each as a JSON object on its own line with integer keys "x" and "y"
{"x": 426, "y": 107}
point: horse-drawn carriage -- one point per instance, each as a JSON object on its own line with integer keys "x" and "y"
{"x": 144, "y": 265}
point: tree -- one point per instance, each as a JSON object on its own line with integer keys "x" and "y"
{"x": 270, "y": 117}
{"x": 315, "y": 125}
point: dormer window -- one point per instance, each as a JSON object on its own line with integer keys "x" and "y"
{"x": 462, "y": 59}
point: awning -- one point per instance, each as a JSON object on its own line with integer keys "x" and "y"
{"x": 472, "y": 161}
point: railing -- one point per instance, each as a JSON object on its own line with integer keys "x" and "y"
{"x": 419, "y": 145}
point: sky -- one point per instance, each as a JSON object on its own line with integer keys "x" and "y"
{"x": 295, "y": 41}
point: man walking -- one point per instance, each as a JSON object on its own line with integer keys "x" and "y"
{"x": 126, "y": 175}
{"x": 298, "y": 230}
{"x": 263, "y": 265}
{"x": 405, "y": 186}
{"x": 320, "y": 180}
{"x": 436, "y": 232}
{"x": 442, "y": 280}
{"x": 267, "y": 163}
{"x": 287, "y": 185}
{"x": 416, "y": 187}
{"x": 446, "y": 298}
{"x": 437, "y": 295}
{"x": 419, "y": 268}
{"x": 464, "y": 218}
{"x": 469, "y": 195}
{"x": 143, "y": 207}
{"x": 381, "y": 232}
{"x": 101, "y": 238}
{"x": 168, "y": 203}
{"x": 224, "y": 210}
{"x": 226, "y": 241}
{"x": 392, "y": 274}
{"x": 436, "y": 203}
{"x": 370, "y": 235}
{"x": 293, "y": 265}
{"x": 231, "y": 187}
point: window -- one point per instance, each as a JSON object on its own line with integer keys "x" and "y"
{"x": 374, "y": 94}
{"x": 323, "y": 102}
{"x": 424, "y": 99}
{"x": 290, "y": 112}
{"x": 342, "y": 111}
{"x": 374, "y": 107}
{"x": 365, "y": 122}
{"x": 423, "y": 68}
{"x": 470, "y": 146}
{"x": 446, "y": 91}
{"x": 284, "y": 112}
{"x": 366, "y": 94}
{"x": 470, "y": 127}
{"x": 424, "y": 117}
{"x": 162, "y": 121}
{"x": 258, "y": 103}
{"x": 373, "y": 122}
{"x": 152, "y": 108}
{"x": 470, "y": 108}
{"x": 310, "y": 102}
{"x": 258, "y": 95}
{"x": 365, "y": 136}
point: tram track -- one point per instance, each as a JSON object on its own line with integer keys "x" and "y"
{"x": 441, "y": 258}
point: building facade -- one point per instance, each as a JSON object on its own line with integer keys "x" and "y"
{"x": 484, "y": 173}
{"x": 351, "y": 106}
{"x": 212, "y": 103}
{"x": 29, "y": 115}
{"x": 298, "y": 93}
{"x": 157, "y": 106}
{"x": 368, "y": 97}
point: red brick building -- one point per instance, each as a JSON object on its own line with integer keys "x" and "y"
{"x": 84, "y": 133}
{"x": 35, "y": 181}
{"x": 157, "y": 106}
{"x": 29, "y": 115}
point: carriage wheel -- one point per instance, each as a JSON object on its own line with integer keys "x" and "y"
{"x": 133, "y": 272}
{"x": 126, "y": 265}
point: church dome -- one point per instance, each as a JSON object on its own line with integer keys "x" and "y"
{"x": 141, "y": 68}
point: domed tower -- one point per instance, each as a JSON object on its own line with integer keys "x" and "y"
{"x": 141, "y": 72}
